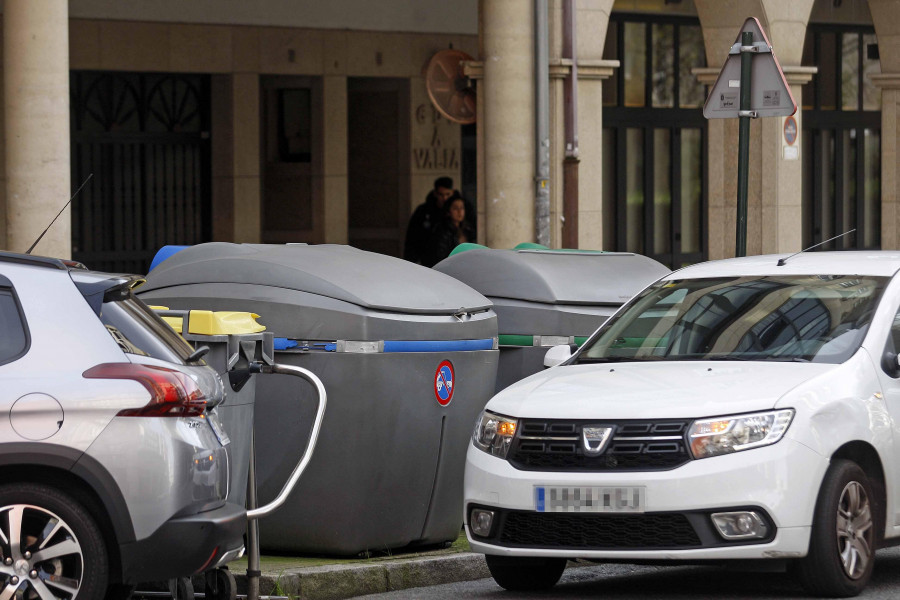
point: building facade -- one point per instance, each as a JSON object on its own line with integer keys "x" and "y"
{"x": 299, "y": 121}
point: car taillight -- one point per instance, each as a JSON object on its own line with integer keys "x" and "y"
{"x": 172, "y": 393}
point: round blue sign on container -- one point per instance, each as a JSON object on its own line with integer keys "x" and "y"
{"x": 444, "y": 380}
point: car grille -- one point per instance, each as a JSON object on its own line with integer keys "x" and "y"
{"x": 597, "y": 532}
{"x": 556, "y": 445}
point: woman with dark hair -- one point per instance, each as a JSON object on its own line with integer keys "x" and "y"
{"x": 454, "y": 228}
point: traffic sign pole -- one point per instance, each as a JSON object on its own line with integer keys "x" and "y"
{"x": 731, "y": 97}
{"x": 747, "y": 49}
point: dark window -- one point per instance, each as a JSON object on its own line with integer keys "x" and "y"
{"x": 13, "y": 338}
{"x": 138, "y": 330}
{"x": 145, "y": 139}
{"x": 654, "y": 140}
{"x": 842, "y": 140}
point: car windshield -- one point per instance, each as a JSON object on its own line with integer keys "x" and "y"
{"x": 801, "y": 318}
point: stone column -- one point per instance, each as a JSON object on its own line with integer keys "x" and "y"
{"x": 890, "y": 158}
{"x": 334, "y": 138}
{"x": 775, "y": 176}
{"x": 36, "y": 105}
{"x": 886, "y": 17}
{"x": 507, "y": 94}
{"x": 591, "y": 21}
{"x": 245, "y": 94}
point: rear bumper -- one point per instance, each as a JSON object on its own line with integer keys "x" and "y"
{"x": 184, "y": 546}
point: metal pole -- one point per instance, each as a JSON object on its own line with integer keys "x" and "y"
{"x": 541, "y": 124}
{"x": 570, "y": 100}
{"x": 743, "y": 145}
{"x": 253, "y": 572}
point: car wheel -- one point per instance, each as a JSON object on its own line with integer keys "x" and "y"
{"x": 51, "y": 546}
{"x": 842, "y": 543}
{"x": 523, "y": 574}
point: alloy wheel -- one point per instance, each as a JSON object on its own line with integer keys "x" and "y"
{"x": 41, "y": 557}
{"x": 854, "y": 529}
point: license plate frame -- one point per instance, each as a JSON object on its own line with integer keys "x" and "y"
{"x": 590, "y": 499}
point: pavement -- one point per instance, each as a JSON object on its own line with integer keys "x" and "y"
{"x": 330, "y": 578}
{"x": 349, "y": 580}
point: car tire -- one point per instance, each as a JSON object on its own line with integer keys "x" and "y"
{"x": 57, "y": 536}
{"x": 525, "y": 574}
{"x": 842, "y": 542}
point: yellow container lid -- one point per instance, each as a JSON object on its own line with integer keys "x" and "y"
{"x": 222, "y": 322}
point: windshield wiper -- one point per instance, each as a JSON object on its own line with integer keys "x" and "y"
{"x": 612, "y": 359}
{"x": 727, "y": 357}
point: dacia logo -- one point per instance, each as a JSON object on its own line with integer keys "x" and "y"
{"x": 595, "y": 439}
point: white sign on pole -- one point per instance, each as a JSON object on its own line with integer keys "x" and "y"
{"x": 770, "y": 94}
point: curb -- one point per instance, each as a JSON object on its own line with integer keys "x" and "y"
{"x": 336, "y": 582}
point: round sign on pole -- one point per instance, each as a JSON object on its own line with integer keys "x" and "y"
{"x": 444, "y": 382}
{"x": 790, "y": 130}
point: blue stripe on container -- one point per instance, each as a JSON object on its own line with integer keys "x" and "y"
{"x": 401, "y": 346}
{"x": 437, "y": 345}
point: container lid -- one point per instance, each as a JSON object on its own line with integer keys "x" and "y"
{"x": 554, "y": 276}
{"x": 207, "y": 322}
{"x": 366, "y": 279}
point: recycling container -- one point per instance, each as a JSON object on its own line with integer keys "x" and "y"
{"x": 234, "y": 339}
{"x": 408, "y": 357}
{"x": 546, "y": 297}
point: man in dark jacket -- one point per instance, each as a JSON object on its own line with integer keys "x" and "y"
{"x": 419, "y": 246}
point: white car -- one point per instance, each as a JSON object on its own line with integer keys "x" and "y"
{"x": 744, "y": 409}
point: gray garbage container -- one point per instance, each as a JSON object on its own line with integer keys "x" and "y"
{"x": 548, "y": 297}
{"x": 408, "y": 357}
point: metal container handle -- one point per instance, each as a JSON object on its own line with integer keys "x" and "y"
{"x": 279, "y": 369}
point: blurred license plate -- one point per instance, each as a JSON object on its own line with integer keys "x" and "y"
{"x": 589, "y": 499}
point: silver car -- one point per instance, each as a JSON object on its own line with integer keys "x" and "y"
{"x": 112, "y": 466}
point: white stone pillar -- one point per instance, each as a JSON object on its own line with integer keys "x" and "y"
{"x": 507, "y": 93}
{"x": 890, "y": 159}
{"x": 36, "y": 105}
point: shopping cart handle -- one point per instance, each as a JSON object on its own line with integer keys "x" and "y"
{"x": 280, "y": 369}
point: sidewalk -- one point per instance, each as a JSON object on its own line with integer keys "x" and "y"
{"x": 312, "y": 578}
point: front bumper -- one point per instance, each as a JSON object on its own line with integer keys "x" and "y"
{"x": 187, "y": 545}
{"x": 781, "y": 481}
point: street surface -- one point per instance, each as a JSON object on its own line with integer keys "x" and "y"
{"x": 630, "y": 582}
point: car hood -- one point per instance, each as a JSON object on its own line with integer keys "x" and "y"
{"x": 659, "y": 389}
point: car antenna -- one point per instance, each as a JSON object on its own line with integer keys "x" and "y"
{"x": 40, "y": 237}
{"x": 783, "y": 261}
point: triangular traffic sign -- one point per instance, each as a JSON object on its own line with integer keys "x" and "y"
{"x": 770, "y": 94}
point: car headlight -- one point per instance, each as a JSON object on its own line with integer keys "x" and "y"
{"x": 723, "y": 435}
{"x": 494, "y": 433}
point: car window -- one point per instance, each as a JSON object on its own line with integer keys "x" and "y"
{"x": 13, "y": 335}
{"x": 138, "y": 330}
{"x": 817, "y": 318}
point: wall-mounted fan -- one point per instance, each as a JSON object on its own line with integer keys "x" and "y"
{"x": 449, "y": 88}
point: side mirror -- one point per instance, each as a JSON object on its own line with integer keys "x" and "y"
{"x": 890, "y": 362}
{"x": 557, "y": 355}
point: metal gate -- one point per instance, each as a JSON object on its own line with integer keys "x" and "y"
{"x": 145, "y": 139}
